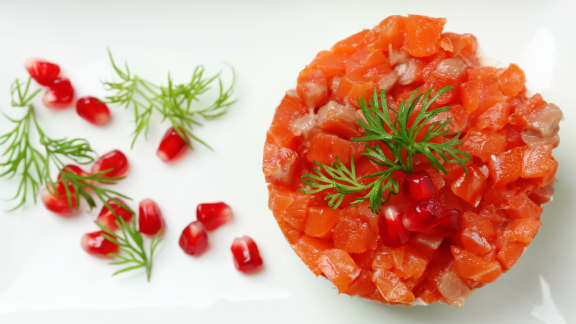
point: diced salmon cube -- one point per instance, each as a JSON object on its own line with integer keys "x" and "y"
{"x": 324, "y": 148}
{"x": 367, "y": 61}
{"x": 331, "y": 63}
{"x": 495, "y": 117}
{"x": 352, "y": 43}
{"x": 390, "y": 33}
{"x": 312, "y": 87}
{"x": 291, "y": 206}
{"x": 309, "y": 250}
{"x": 509, "y": 253}
{"x": 422, "y": 35}
{"x": 279, "y": 164}
{"x": 392, "y": 288}
{"x": 475, "y": 242}
{"x": 481, "y": 91}
{"x": 364, "y": 286}
{"x": 519, "y": 205}
{"x": 512, "y": 80}
{"x": 321, "y": 221}
{"x": 461, "y": 45}
{"x": 480, "y": 224}
{"x": 470, "y": 266}
{"x": 289, "y": 109}
{"x": 383, "y": 260}
{"x": 506, "y": 167}
{"x": 337, "y": 119}
{"x": 484, "y": 144}
{"x": 471, "y": 188}
{"x": 354, "y": 233}
{"x": 537, "y": 116}
{"x": 339, "y": 267}
{"x": 350, "y": 90}
{"x": 542, "y": 195}
{"x": 522, "y": 230}
{"x": 451, "y": 286}
{"x": 538, "y": 162}
{"x": 409, "y": 263}
{"x": 478, "y": 233}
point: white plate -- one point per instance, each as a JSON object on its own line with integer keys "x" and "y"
{"x": 45, "y": 276}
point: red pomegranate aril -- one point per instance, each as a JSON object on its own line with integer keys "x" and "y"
{"x": 449, "y": 224}
{"x": 42, "y": 71}
{"x": 107, "y": 218}
{"x": 392, "y": 230}
{"x": 172, "y": 147}
{"x": 422, "y": 216}
{"x": 96, "y": 244}
{"x": 194, "y": 239}
{"x": 115, "y": 162}
{"x": 93, "y": 110}
{"x": 150, "y": 220}
{"x": 247, "y": 258}
{"x": 420, "y": 186}
{"x": 56, "y": 200}
{"x": 214, "y": 215}
{"x": 74, "y": 169}
{"x": 60, "y": 94}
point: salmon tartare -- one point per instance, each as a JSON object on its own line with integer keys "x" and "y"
{"x": 404, "y": 170}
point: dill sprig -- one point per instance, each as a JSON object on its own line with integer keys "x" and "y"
{"x": 30, "y": 153}
{"x": 84, "y": 187}
{"x": 409, "y": 131}
{"x": 176, "y": 103}
{"x": 135, "y": 253}
{"x": 131, "y": 243}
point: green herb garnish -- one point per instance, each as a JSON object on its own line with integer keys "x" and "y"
{"x": 30, "y": 153}
{"x": 405, "y": 133}
{"x": 177, "y": 103}
{"x": 135, "y": 253}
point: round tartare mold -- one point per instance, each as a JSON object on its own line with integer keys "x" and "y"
{"x": 490, "y": 213}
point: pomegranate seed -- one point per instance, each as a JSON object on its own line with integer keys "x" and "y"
{"x": 97, "y": 245}
{"x": 56, "y": 199}
{"x": 246, "y": 255}
{"x": 108, "y": 219}
{"x": 93, "y": 110}
{"x": 391, "y": 228}
{"x": 60, "y": 94}
{"x": 194, "y": 239}
{"x": 420, "y": 186}
{"x": 43, "y": 72}
{"x": 214, "y": 215}
{"x": 150, "y": 220}
{"x": 172, "y": 147}
{"x": 114, "y": 161}
{"x": 449, "y": 224}
{"x": 74, "y": 169}
{"x": 422, "y": 216}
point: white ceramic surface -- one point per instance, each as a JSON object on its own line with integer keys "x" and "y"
{"x": 46, "y": 278}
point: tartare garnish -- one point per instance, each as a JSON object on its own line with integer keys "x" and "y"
{"x": 246, "y": 255}
{"x": 393, "y": 139}
{"x": 31, "y": 153}
{"x": 177, "y": 103}
{"x": 132, "y": 253}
